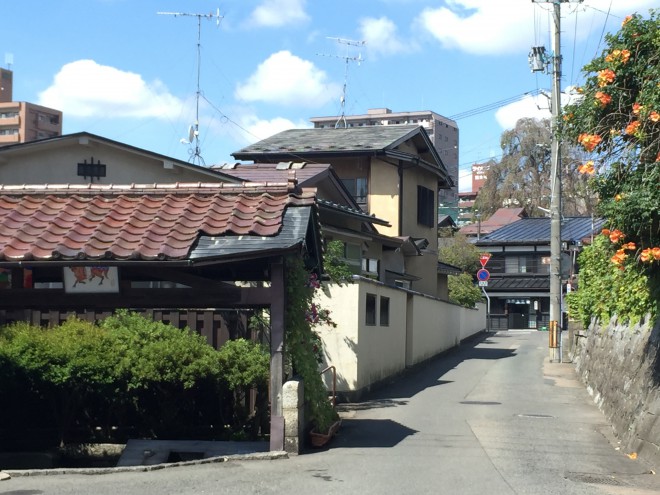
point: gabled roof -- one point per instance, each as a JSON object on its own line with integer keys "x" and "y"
{"x": 537, "y": 231}
{"x": 149, "y": 222}
{"x": 86, "y": 138}
{"x": 502, "y": 217}
{"x": 297, "y": 144}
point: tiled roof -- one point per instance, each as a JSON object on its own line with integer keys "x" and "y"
{"x": 502, "y": 217}
{"x": 273, "y": 172}
{"x": 136, "y": 222}
{"x": 497, "y": 283}
{"x": 309, "y": 141}
{"x": 537, "y": 231}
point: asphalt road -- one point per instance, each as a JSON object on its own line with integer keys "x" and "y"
{"x": 494, "y": 417}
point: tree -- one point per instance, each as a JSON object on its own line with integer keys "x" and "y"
{"x": 617, "y": 123}
{"x": 522, "y": 177}
{"x": 459, "y": 252}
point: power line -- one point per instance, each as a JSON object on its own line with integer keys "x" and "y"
{"x": 494, "y": 105}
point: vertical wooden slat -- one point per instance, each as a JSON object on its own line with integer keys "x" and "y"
{"x": 207, "y": 328}
{"x": 222, "y": 330}
{"x": 174, "y": 319}
{"x": 191, "y": 320}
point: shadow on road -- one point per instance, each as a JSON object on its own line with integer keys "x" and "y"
{"x": 393, "y": 392}
{"x": 370, "y": 433}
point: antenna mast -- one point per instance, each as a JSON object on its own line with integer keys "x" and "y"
{"x": 342, "y": 41}
{"x": 193, "y": 130}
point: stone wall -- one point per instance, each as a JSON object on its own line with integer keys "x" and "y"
{"x": 620, "y": 365}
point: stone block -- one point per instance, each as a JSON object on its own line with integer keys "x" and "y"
{"x": 292, "y": 394}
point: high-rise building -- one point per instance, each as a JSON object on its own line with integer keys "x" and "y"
{"x": 442, "y": 131}
{"x": 479, "y": 171}
{"x": 21, "y": 121}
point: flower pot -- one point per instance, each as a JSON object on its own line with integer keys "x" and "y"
{"x": 318, "y": 439}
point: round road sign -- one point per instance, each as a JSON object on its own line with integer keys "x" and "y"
{"x": 483, "y": 275}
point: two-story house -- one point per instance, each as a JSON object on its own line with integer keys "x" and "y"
{"x": 519, "y": 267}
{"x": 393, "y": 172}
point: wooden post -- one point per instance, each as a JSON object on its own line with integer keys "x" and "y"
{"x": 277, "y": 302}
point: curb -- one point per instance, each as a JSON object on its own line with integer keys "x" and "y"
{"x": 260, "y": 456}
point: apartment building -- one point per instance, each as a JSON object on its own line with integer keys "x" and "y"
{"x": 21, "y": 121}
{"x": 442, "y": 131}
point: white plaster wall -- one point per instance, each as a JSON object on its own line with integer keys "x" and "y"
{"x": 433, "y": 327}
{"x": 419, "y": 328}
{"x": 340, "y": 344}
{"x": 472, "y": 321}
{"x": 362, "y": 354}
{"x": 382, "y": 349}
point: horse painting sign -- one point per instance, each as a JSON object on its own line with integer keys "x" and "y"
{"x": 87, "y": 279}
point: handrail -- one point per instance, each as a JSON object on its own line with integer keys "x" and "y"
{"x": 334, "y": 383}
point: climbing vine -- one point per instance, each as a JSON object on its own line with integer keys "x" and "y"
{"x": 303, "y": 344}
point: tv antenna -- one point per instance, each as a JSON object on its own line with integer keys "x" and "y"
{"x": 193, "y": 130}
{"x": 341, "y": 121}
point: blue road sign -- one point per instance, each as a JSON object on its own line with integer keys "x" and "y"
{"x": 483, "y": 275}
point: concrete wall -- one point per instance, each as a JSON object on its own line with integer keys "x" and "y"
{"x": 419, "y": 328}
{"x": 433, "y": 328}
{"x": 472, "y": 321}
{"x": 619, "y": 365}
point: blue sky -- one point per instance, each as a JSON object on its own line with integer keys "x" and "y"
{"x": 118, "y": 69}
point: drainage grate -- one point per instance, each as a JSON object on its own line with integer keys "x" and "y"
{"x": 480, "y": 402}
{"x": 595, "y": 479}
{"x": 539, "y": 416}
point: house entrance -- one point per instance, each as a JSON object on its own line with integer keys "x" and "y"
{"x": 519, "y": 313}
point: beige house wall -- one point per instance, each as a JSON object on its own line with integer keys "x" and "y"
{"x": 60, "y": 166}
{"x": 384, "y": 195}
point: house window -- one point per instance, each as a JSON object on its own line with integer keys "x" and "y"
{"x": 384, "y": 311}
{"x": 358, "y": 188}
{"x": 425, "y": 206}
{"x": 370, "y": 317}
{"x": 370, "y": 266}
{"x": 353, "y": 257}
{"x": 523, "y": 264}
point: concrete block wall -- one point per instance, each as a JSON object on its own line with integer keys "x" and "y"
{"x": 620, "y": 366}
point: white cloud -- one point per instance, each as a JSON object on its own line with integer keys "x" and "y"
{"x": 258, "y": 129}
{"x": 381, "y": 36}
{"x": 481, "y": 27}
{"x": 277, "y": 13}
{"x": 85, "y": 88}
{"x": 286, "y": 79}
{"x": 488, "y": 27}
{"x": 537, "y": 107}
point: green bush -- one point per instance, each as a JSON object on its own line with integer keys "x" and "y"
{"x": 61, "y": 367}
{"x": 463, "y": 291}
{"x": 131, "y": 372}
{"x": 606, "y": 290}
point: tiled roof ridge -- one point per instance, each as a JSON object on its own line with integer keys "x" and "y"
{"x": 159, "y": 188}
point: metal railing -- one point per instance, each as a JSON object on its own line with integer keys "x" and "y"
{"x": 333, "y": 400}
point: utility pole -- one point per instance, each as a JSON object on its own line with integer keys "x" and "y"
{"x": 555, "y": 181}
